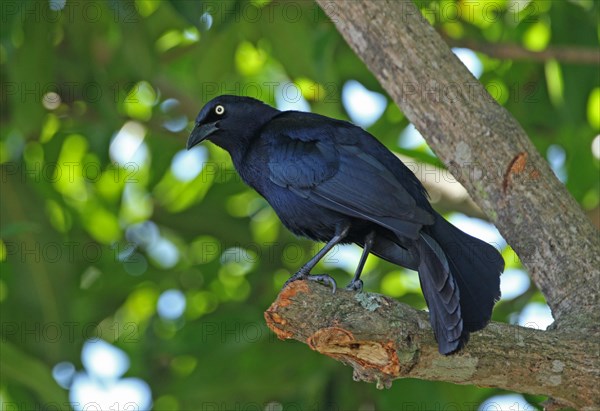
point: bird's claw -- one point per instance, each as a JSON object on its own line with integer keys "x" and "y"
{"x": 355, "y": 286}
{"x": 323, "y": 278}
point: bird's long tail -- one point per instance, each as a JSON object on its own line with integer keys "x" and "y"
{"x": 460, "y": 278}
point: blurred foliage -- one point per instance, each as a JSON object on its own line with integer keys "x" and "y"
{"x": 93, "y": 231}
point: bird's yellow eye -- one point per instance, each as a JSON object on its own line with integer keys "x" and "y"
{"x": 220, "y": 110}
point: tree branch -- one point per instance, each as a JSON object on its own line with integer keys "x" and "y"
{"x": 383, "y": 340}
{"x": 484, "y": 147}
{"x": 564, "y": 54}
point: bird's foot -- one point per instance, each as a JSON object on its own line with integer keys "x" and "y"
{"x": 325, "y": 279}
{"x": 322, "y": 278}
{"x": 355, "y": 286}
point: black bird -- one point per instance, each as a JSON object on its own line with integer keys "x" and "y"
{"x": 331, "y": 181}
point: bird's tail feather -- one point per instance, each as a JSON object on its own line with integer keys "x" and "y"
{"x": 459, "y": 275}
{"x": 442, "y": 295}
{"x": 475, "y": 266}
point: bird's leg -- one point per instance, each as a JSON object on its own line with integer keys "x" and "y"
{"x": 356, "y": 284}
{"x": 304, "y": 272}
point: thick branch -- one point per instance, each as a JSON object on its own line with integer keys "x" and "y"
{"x": 384, "y": 340}
{"x": 484, "y": 147}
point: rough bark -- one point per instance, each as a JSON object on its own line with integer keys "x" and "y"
{"x": 485, "y": 148}
{"x": 491, "y": 155}
{"x": 383, "y": 340}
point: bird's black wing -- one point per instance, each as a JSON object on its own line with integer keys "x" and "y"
{"x": 333, "y": 172}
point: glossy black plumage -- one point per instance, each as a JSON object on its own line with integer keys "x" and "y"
{"x": 328, "y": 179}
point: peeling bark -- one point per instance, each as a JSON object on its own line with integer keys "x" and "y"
{"x": 383, "y": 340}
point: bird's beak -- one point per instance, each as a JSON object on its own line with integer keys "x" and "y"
{"x": 201, "y": 133}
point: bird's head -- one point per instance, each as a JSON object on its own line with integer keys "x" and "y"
{"x": 230, "y": 121}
